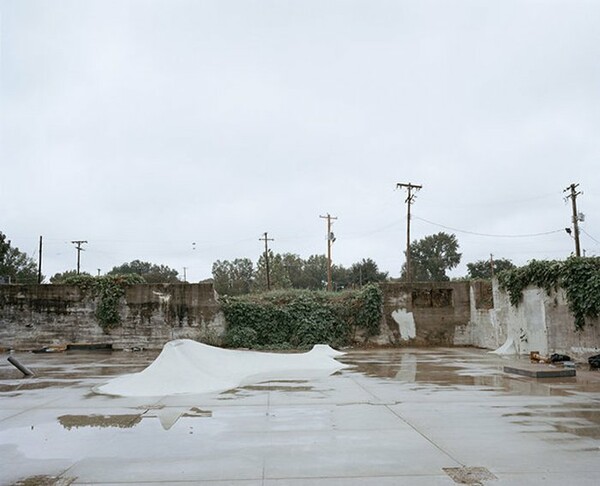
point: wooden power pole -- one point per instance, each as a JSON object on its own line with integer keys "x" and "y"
{"x": 39, "y": 278}
{"x": 266, "y": 239}
{"x": 573, "y": 196}
{"x": 78, "y": 244}
{"x": 330, "y": 240}
{"x": 409, "y": 200}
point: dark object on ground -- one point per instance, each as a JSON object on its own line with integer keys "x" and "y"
{"x": 559, "y": 358}
{"x": 22, "y": 368}
{"x": 50, "y": 349}
{"x": 594, "y": 361}
{"x": 89, "y": 347}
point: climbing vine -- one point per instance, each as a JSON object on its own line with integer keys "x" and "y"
{"x": 108, "y": 290}
{"x": 579, "y": 277}
{"x": 301, "y": 318}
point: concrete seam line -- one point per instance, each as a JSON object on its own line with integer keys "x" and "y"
{"x": 411, "y": 426}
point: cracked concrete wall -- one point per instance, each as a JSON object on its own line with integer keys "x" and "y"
{"x": 541, "y": 323}
{"x": 33, "y": 316}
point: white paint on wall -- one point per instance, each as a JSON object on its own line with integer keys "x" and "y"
{"x": 406, "y": 324}
{"x": 162, "y": 298}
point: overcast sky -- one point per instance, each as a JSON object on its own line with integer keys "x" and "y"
{"x": 178, "y": 131}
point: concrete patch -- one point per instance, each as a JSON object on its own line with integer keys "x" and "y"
{"x": 540, "y": 372}
{"x": 469, "y": 475}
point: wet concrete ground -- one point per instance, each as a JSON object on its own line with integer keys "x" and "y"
{"x": 402, "y": 416}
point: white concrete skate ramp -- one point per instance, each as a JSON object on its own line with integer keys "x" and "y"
{"x": 188, "y": 367}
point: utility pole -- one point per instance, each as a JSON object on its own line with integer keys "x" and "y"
{"x": 266, "y": 239}
{"x": 40, "y": 263}
{"x": 409, "y": 200}
{"x": 330, "y": 241}
{"x": 78, "y": 244}
{"x": 492, "y": 264}
{"x": 573, "y": 196}
{"x": 184, "y": 274}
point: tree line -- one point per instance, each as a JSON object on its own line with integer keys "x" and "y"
{"x": 288, "y": 270}
{"x": 431, "y": 258}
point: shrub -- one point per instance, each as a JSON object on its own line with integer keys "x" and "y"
{"x": 301, "y": 318}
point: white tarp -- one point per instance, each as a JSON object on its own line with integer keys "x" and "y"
{"x": 507, "y": 348}
{"x": 186, "y": 366}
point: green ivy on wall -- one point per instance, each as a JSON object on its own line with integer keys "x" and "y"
{"x": 579, "y": 277}
{"x": 108, "y": 290}
{"x": 301, "y": 318}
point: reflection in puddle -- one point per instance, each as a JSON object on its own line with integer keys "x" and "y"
{"x": 271, "y": 386}
{"x": 45, "y": 481}
{"x": 582, "y": 420}
{"x": 277, "y": 388}
{"x": 167, "y": 417}
{"x": 119, "y": 421}
{"x": 433, "y": 373}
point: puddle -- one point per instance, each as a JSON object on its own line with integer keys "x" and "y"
{"x": 168, "y": 416}
{"x": 582, "y": 420}
{"x": 37, "y": 385}
{"x": 278, "y": 388}
{"x": 44, "y": 481}
{"x": 271, "y": 386}
{"x": 118, "y": 421}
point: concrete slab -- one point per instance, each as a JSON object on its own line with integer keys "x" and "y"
{"x": 397, "y": 416}
{"x": 540, "y": 371}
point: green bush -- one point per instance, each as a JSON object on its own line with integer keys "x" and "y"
{"x": 579, "y": 277}
{"x": 301, "y": 318}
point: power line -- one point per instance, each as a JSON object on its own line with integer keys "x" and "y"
{"x": 530, "y": 235}
{"x": 589, "y": 236}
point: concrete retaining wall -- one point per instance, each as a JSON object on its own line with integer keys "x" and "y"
{"x": 32, "y": 316}
{"x": 426, "y": 313}
{"x": 423, "y": 314}
{"x": 541, "y": 323}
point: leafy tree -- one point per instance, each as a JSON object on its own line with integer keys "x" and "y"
{"x": 341, "y": 277}
{"x": 294, "y": 267}
{"x": 64, "y": 277}
{"x": 365, "y": 272}
{"x": 483, "y": 269}
{"x": 278, "y": 275}
{"x": 315, "y": 272}
{"x": 432, "y": 256}
{"x": 233, "y": 278}
{"x": 16, "y": 265}
{"x": 151, "y": 272}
